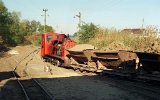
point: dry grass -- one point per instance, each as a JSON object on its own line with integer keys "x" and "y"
{"x": 138, "y": 42}
{"x": 146, "y": 41}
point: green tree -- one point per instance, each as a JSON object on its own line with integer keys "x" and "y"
{"x": 25, "y": 27}
{"x": 35, "y": 26}
{"x": 16, "y": 29}
{"x": 5, "y": 22}
{"x": 13, "y": 29}
{"x": 86, "y": 32}
{"x": 47, "y": 28}
{"x": 15, "y": 23}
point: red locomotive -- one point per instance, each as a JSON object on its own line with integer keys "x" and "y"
{"x": 54, "y": 46}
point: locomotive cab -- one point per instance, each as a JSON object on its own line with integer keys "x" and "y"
{"x": 57, "y": 45}
{"x": 54, "y": 45}
{"x": 46, "y": 46}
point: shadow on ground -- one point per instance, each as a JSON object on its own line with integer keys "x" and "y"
{"x": 71, "y": 88}
{"x": 3, "y": 50}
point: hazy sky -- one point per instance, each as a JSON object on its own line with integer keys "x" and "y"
{"x": 106, "y": 13}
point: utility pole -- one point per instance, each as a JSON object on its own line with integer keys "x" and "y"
{"x": 45, "y": 12}
{"x": 143, "y": 23}
{"x": 79, "y": 18}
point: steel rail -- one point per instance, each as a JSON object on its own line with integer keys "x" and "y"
{"x": 47, "y": 94}
{"x": 38, "y": 84}
{"x": 23, "y": 89}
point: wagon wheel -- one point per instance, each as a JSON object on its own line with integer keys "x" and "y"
{"x": 140, "y": 69}
{"x": 59, "y": 63}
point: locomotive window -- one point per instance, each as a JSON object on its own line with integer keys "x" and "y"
{"x": 57, "y": 37}
{"x": 49, "y": 37}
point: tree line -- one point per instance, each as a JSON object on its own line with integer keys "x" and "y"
{"x": 13, "y": 29}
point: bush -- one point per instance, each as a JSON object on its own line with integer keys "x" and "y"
{"x": 86, "y": 32}
{"x": 38, "y": 41}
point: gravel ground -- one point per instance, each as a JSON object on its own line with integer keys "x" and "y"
{"x": 62, "y": 83}
{"x": 80, "y": 87}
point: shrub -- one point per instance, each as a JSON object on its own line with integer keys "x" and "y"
{"x": 38, "y": 41}
{"x": 86, "y": 32}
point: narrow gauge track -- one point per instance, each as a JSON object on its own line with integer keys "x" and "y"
{"x": 32, "y": 89}
{"x": 149, "y": 91}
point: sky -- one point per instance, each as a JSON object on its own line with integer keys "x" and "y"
{"x": 105, "y": 13}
